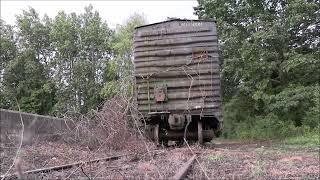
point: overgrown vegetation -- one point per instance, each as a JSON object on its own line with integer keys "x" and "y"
{"x": 111, "y": 128}
{"x": 269, "y": 57}
{"x": 70, "y": 63}
{"x": 308, "y": 140}
{"x": 270, "y": 66}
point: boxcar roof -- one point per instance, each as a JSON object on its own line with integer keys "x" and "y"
{"x": 172, "y": 20}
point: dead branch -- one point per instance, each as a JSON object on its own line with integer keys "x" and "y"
{"x": 186, "y": 142}
{"x": 84, "y": 173}
{"x": 182, "y": 172}
{"x": 19, "y": 148}
{"x": 66, "y": 166}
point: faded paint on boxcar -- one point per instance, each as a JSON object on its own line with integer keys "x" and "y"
{"x": 180, "y": 59}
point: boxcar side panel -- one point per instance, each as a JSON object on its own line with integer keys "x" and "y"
{"x": 180, "y": 56}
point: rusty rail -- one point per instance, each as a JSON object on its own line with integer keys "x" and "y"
{"x": 182, "y": 172}
{"x": 65, "y": 166}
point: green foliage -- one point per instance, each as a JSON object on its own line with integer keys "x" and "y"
{"x": 269, "y": 58}
{"x": 60, "y": 62}
{"x": 307, "y": 140}
{"x": 110, "y": 89}
{"x": 8, "y": 52}
{"x": 82, "y": 44}
{"x": 24, "y": 75}
{"x": 312, "y": 117}
{"x": 69, "y": 63}
{"x": 264, "y": 127}
{"x": 122, "y": 45}
{"x": 270, "y": 65}
{"x": 25, "y": 83}
{"x": 7, "y": 44}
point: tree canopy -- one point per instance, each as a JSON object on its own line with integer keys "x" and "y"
{"x": 270, "y": 63}
{"x": 64, "y": 64}
{"x": 269, "y": 57}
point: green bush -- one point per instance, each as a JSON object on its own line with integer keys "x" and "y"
{"x": 264, "y": 127}
{"x": 268, "y": 127}
{"x": 309, "y": 139}
{"x": 292, "y": 112}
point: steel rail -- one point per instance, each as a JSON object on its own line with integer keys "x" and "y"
{"x": 182, "y": 172}
{"x": 66, "y": 166}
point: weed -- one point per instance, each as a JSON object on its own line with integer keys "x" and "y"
{"x": 216, "y": 157}
{"x": 267, "y": 151}
{"x": 308, "y": 141}
{"x": 260, "y": 150}
{"x": 258, "y": 170}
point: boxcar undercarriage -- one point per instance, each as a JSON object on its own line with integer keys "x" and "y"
{"x": 162, "y": 127}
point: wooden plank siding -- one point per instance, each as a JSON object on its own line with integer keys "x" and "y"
{"x": 181, "y": 55}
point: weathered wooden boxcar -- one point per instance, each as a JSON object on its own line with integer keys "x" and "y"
{"x": 177, "y": 76}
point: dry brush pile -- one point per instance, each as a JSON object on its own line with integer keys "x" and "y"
{"x": 114, "y": 129}
{"x": 115, "y": 126}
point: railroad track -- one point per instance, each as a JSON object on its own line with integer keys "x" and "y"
{"x": 180, "y": 173}
{"x": 62, "y": 167}
{"x": 183, "y": 171}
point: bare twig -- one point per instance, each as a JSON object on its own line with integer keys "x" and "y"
{"x": 196, "y": 159}
{"x": 74, "y": 171}
{"x": 19, "y": 148}
{"x": 182, "y": 172}
{"x": 84, "y": 173}
{"x": 67, "y": 166}
{"x": 19, "y": 169}
{"x": 104, "y": 168}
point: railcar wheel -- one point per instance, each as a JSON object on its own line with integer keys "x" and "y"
{"x": 156, "y": 134}
{"x": 165, "y": 143}
{"x": 179, "y": 143}
{"x": 200, "y": 133}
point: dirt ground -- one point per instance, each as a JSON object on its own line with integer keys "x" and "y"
{"x": 218, "y": 160}
{"x": 258, "y": 160}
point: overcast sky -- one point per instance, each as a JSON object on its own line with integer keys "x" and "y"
{"x": 114, "y": 12}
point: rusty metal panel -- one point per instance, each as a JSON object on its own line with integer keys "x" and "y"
{"x": 182, "y": 56}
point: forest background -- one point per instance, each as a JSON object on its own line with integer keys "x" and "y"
{"x": 270, "y": 64}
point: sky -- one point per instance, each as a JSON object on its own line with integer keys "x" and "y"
{"x": 113, "y": 12}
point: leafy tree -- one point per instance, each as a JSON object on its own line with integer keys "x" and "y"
{"x": 270, "y": 58}
{"x": 8, "y": 52}
{"x": 25, "y": 79}
{"x": 82, "y": 49}
{"x": 7, "y": 44}
{"x": 64, "y": 39}
{"x": 55, "y": 65}
{"x": 26, "y": 84}
{"x": 95, "y": 52}
{"x": 121, "y": 66}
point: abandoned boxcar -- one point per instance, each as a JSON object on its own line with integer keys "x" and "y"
{"x": 177, "y": 79}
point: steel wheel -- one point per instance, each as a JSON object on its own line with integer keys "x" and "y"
{"x": 156, "y": 134}
{"x": 165, "y": 143}
{"x": 200, "y": 134}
